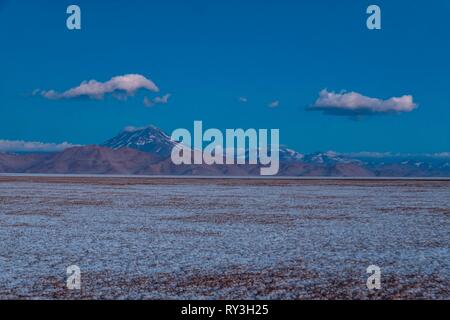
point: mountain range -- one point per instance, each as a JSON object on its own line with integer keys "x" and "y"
{"x": 146, "y": 151}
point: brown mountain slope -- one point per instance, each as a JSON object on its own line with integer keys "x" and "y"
{"x": 95, "y": 160}
{"x": 15, "y": 163}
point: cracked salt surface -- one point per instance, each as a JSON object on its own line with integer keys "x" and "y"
{"x": 213, "y": 240}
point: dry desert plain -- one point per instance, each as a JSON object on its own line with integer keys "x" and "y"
{"x": 167, "y": 238}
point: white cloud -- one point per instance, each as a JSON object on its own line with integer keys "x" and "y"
{"x": 120, "y": 86}
{"x": 164, "y": 99}
{"x": 441, "y": 155}
{"x": 157, "y": 100}
{"x": 243, "y": 99}
{"x": 274, "y": 104}
{"x": 33, "y": 146}
{"x": 353, "y": 103}
{"x": 148, "y": 102}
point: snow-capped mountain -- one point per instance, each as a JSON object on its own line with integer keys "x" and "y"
{"x": 328, "y": 158}
{"x": 289, "y": 155}
{"x": 148, "y": 139}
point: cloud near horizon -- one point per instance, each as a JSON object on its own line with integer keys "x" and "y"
{"x": 355, "y": 104}
{"x": 120, "y": 87}
{"x": 374, "y": 154}
{"x": 33, "y": 146}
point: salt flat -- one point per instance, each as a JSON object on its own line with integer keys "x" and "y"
{"x": 190, "y": 238}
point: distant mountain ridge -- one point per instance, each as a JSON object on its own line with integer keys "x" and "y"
{"x": 146, "y": 151}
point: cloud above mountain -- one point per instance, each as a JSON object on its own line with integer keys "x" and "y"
{"x": 120, "y": 87}
{"x": 355, "y": 104}
{"x": 33, "y": 146}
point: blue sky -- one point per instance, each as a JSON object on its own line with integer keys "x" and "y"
{"x": 208, "y": 54}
